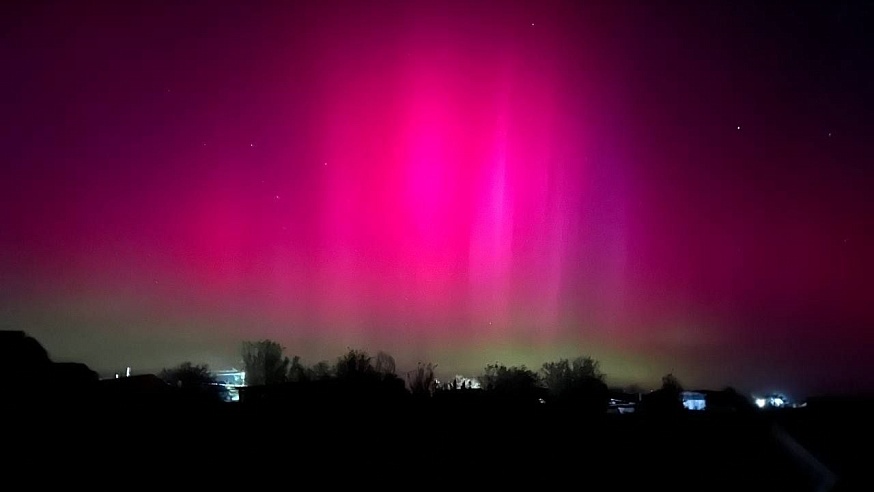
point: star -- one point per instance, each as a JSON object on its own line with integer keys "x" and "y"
{"x": 738, "y": 127}
{"x": 251, "y": 145}
{"x": 276, "y": 197}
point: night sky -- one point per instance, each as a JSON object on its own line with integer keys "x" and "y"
{"x": 668, "y": 188}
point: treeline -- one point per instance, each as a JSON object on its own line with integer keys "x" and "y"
{"x": 575, "y": 383}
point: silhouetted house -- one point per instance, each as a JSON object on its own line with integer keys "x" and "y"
{"x": 34, "y": 378}
{"x": 23, "y": 360}
{"x": 72, "y": 381}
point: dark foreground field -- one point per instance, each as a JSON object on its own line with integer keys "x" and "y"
{"x": 425, "y": 446}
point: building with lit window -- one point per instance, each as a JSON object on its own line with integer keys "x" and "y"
{"x": 232, "y": 380}
{"x": 694, "y": 400}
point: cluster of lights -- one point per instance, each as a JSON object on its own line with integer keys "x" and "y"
{"x": 127, "y": 371}
{"x": 460, "y": 382}
{"x": 772, "y": 401}
{"x": 464, "y": 382}
{"x": 232, "y": 380}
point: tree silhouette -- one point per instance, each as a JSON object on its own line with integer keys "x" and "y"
{"x": 297, "y": 372}
{"x": 664, "y": 401}
{"x": 193, "y": 379}
{"x": 516, "y": 382}
{"x": 385, "y": 364}
{"x": 421, "y": 380}
{"x": 578, "y": 383}
{"x": 264, "y": 362}
{"x": 564, "y": 374}
{"x": 354, "y": 364}
{"x": 188, "y": 375}
{"x": 356, "y": 376}
{"x": 671, "y": 384}
{"x": 320, "y": 370}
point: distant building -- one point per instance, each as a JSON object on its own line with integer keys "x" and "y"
{"x": 622, "y": 401}
{"x": 232, "y": 380}
{"x": 620, "y": 406}
{"x": 459, "y": 382}
{"x": 694, "y": 400}
{"x": 231, "y": 377}
{"x": 774, "y": 400}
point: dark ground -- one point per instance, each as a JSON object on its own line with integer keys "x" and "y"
{"x": 229, "y": 445}
{"x": 62, "y": 428}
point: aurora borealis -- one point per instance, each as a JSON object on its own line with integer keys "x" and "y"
{"x": 663, "y": 188}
